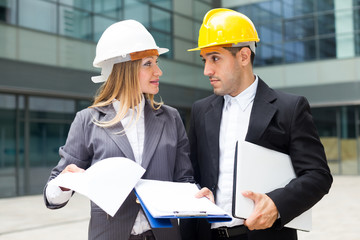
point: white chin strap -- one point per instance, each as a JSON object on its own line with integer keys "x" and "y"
{"x": 252, "y": 45}
{"x": 105, "y": 73}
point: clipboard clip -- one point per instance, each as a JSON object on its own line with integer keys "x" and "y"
{"x": 189, "y": 213}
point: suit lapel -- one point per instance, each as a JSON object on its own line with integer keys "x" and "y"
{"x": 120, "y": 139}
{"x": 212, "y": 127}
{"x": 154, "y": 126}
{"x": 262, "y": 112}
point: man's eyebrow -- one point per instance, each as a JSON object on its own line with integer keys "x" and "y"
{"x": 209, "y": 53}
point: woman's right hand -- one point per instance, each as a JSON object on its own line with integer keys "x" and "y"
{"x": 71, "y": 168}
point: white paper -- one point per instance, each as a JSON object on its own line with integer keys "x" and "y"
{"x": 107, "y": 183}
{"x": 262, "y": 170}
{"x": 164, "y": 198}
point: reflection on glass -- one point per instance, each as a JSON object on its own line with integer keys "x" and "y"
{"x": 299, "y": 28}
{"x": 325, "y": 5}
{"x": 162, "y": 3}
{"x": 51, "y": 108}
{"x": 200, "y": 9}
{"x": 46, "y": 21}
{"x": 163, "y": 40}
{"x": 75, "y": 23}
{"x": 326, "y": 24}
{"x": 82, "y": 4}
{"x": 300, "y": 51}
{"x": 7, "y": 145}
{"x": 110, "y": 8}
{"x": 8, "y": 11}
{"x": 135, "y": 9}
{"x": 100, "y": 24}
{"x": 161, "y": 20}
{"x": 293, "y": 8}
{"x": 327, "y": 48}
{"x": 326, "y": 123}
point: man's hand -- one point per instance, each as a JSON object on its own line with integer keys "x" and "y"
{"x": 265, "y": 212}
{"x": 71, "y": 168}
{"x": 205, "y": 192}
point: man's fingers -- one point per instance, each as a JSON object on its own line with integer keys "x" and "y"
{"x": 264, "y": 214}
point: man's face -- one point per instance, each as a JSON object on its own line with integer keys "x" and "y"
{"x": 223, "y": 70}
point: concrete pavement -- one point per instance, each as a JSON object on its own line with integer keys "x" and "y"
{"x": 335, "y": 217}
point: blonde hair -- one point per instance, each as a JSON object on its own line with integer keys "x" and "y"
{"x": 123, "y": 84}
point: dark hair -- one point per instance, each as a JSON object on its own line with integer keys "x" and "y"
{"x": 235, "y": 50}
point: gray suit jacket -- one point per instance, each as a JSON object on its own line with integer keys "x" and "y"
{"x": 165, "y": 157}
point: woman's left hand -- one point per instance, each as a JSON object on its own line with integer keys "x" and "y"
{"x": 205, "y": 192}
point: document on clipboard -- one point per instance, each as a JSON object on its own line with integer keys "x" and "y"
{"x": 163, "y": 200}
{"x": 262, "y": 170}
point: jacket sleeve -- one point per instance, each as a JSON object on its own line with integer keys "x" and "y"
{"x": 73, "y": 152}
{"x": 309, "y": 161}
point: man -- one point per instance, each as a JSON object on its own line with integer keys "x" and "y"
{"x": 243, "y": 107}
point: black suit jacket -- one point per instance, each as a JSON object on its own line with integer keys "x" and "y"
{"x": 278, "y": 121}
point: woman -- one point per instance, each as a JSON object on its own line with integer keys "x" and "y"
{"x": 125, "y": 121}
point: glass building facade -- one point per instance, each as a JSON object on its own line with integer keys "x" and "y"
{"x": 47, "y": 48}
{"x": 293, "y": 31}
{"x": 46, "y": 53}
{"x": 300, "y": 33}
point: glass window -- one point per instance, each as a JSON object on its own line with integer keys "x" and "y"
{"x": 200, "y": 9}
{"x": 348, "y": 141}
{"x": 51, "y": 108}
{"x": 293, "y": 8}
{"x": 162, "y": 3}
{"x": 270, "y": 32}
{"x": 300, "y": 51}
{"x": 164, "y": 41}
{"x": 100, "y": 24}
{"x": 82, "y": 104}
{"x": 268, "y": 55}
{"x": 81, "y": 4}
{"x": 325, "y": 5}
{"x": 182, "y": 26}
{"x": 7, "y": 145}
{"x": 8, "y": 11}
{"x": 161, "y": 20}
{"x": 357, "y": 44}
{"x": 137, "y": 11}
{"x": 326, "y": 24}
{"x": 46, "y": 21}
{"x": 357, "y": 19}
{"x": 299, "y": 28}
{"x": 45, "y": 140}
{"x": 327, "y": 48}
{"x": 326, "y": 122}
{"x": 75, "y": 23}
{"x": 110, "y": 8}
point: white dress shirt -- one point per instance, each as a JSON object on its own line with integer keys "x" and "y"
{"x": 234, "y": 125}
{"x": 136, "y": 135}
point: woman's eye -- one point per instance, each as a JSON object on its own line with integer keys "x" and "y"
{"x": 147, "y": 64}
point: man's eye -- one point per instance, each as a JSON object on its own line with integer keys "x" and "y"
{"x": 214, "y": 58}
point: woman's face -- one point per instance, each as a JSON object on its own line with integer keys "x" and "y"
{"x": 149, "y": 75}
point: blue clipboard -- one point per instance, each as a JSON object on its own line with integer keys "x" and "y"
{"x": 164, "y": 221}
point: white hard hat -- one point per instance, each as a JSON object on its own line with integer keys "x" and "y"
{"x": 121, "y": 42}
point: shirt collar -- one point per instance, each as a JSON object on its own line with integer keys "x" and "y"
{"x": 244, "y": 98}
{"x": 116, "y": 104}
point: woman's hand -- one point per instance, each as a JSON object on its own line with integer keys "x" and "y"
{"x": 205, "y": 192}
{"x": 73, "y": 169}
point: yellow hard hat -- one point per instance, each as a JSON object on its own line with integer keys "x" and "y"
{"x": 223, "y": 26}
